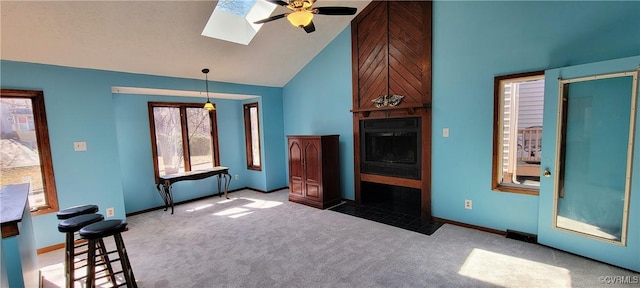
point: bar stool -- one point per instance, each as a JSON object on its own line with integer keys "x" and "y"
{"x": 95, "y": 233}
{"x": 76, "y": 210}
{"x": 70, "y": 227}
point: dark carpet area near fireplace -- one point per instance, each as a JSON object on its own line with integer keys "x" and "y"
{"x": 382, "y": 213}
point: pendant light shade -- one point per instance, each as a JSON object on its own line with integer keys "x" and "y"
{"x": 208, "y": 105}
{"x": 300, "y": 18}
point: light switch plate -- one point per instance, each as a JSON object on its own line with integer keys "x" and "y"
{"x": 445, "y": 132}
{"x": 80, "y": 146}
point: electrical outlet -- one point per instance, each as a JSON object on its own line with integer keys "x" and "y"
{"x": 445, "y": 132}
{"x": 237, "y": 176}
{"x": 468, "y": 204}
{"x": 110, "y": 212}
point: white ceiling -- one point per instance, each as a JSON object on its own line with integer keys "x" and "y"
{"x": 160, "y": 38}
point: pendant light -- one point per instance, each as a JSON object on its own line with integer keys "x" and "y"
{"x": 208, "y": 105}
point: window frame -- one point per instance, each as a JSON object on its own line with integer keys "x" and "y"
{"x": 498, "y": 106}
{"x": 185, "y": 137}
{"x": 249, "y": 138}
{"x": 44, "y": 145}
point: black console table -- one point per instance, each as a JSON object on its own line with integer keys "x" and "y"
{"x": 167, "y": 180}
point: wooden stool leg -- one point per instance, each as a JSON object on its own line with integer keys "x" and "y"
{"x": 69, "y": 260}
{"x": 107, "y": 262}
{"x": 91, "y": 264}
{"x": 124, "y": 259}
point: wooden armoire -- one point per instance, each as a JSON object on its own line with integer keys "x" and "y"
{"x": 314, "y": 170}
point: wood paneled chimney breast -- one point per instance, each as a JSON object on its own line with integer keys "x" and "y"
{"x": 391, "y": 61}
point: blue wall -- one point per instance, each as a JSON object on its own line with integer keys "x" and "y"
{"x": 117, "y": 170}
{"x": 318, "y": 99}
{"x": 472, "y": 43}
{"x": 136, "y": 161}
{"x": 475, "y": 41}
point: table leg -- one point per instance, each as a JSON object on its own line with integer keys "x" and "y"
{"x": 169, "y": 192}
{"x": 227, "y": 181}
{"x": 164, "y": 194}
{"x": 219, "y": 195}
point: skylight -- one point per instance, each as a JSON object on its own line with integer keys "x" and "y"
{"x": 232, "y": 20}
{"x": 238, "y": 7}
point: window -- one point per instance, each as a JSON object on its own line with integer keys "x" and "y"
{"x": 183, "y": 137}
{"x": 517, "y": 132}
{"x": 252, "y": 136}
{"x": 26, "y": 154}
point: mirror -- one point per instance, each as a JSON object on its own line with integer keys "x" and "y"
{"x": 596, "y": 121}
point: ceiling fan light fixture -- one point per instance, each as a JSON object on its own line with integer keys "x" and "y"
{"x": 300, "y": 18}
{"x": 207, "y": 105}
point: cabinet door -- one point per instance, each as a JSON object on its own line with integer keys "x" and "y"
{"x": 296, "y": 172}
{"x": 313, "y": 168}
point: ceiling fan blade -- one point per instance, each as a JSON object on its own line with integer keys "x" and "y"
{"x": 310, "y": 28}
{"x": 276, "y": 17}
{"x": 335, "y": 10}
{"x": 278, "y": 2}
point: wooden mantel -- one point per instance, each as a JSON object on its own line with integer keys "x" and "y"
{"x": 409, "y": 109}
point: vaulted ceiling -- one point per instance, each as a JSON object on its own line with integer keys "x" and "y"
{"x": 160, "y": 38}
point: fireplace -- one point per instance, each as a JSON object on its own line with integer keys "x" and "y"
{"x": 391, "y": 147}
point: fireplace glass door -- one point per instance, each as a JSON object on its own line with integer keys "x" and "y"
{"x": 391, "y": 147}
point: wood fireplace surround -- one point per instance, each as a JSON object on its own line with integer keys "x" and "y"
{"x": 391, "y": 55}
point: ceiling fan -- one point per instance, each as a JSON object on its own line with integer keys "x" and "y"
{"x": 302, "y": 13}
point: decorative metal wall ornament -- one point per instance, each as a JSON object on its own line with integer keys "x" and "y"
{"x": 387, "y": 100}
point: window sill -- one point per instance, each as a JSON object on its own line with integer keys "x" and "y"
{"x": 517, "y": 190}
{"x": 43, "y": 211}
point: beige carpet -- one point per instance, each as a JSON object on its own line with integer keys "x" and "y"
{"x": 263, "y": 240}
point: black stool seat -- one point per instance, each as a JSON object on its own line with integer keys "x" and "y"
{"x": 76, "y": 210}
{"x": 74, "y": 224}
{"x": 103, "y": 229}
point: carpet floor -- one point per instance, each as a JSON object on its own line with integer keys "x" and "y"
{"x": 263, "y": 240}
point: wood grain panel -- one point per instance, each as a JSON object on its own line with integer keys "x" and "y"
{"x": 402, "y": 30}
{"x": 405, "y": 52}
{"x": 318, "y": 159}
{"x": 412, "y": 183}
{"x": 372, "y": 54}
{"x": 295, "y": 167}
{"x": 312, "y": 159}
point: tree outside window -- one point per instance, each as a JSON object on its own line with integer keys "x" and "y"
{"x": 25, "y": 151}
{"x": 252, "y": 136}
{"x": 184, "y": 137}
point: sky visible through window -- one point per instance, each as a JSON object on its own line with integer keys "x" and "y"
{"x": 238, "y": 7}
{"x": 232, "y": 20}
